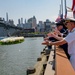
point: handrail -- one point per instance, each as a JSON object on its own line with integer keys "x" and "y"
{"x": 63, "y": 65}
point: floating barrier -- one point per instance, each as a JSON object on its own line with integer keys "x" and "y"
{"x": 11, "y": 40}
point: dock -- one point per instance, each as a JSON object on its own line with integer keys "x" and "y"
{"x": 52, "y": 62}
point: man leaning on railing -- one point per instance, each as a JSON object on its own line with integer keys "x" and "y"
{"x": 69, "y": 39}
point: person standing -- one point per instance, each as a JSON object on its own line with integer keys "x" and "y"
{"x": 69, "y": 39}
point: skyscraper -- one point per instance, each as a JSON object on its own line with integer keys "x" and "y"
{"x": 21, "y": 20}
{"x": 7, "y": 17}
{"x": 34, "y": 22}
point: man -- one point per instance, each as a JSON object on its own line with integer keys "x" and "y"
{"x": 70, "y": 39}
{"x": 52, "y": 36}
{"x": 61, "y": 32}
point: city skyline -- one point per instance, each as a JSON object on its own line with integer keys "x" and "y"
{"x": 41, "y": 9}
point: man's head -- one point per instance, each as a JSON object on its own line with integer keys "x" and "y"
{"x": 59, "y": 25}
{"x": 69, "y": 23}
{"x": 69, "y": 20}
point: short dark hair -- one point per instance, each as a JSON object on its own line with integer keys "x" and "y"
{"x": 60, "y": 23}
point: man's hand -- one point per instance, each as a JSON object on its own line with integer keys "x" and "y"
{"x": 45, "y": 43}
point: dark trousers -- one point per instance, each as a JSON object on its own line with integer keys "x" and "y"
{"x": 64, "y": 46}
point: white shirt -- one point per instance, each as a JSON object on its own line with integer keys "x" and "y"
{"x": 70, "y": 39}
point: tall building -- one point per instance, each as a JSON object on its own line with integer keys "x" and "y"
{"x": 47, "y": 24}
{"x": 29, "y": 24}
{"x": 40, "y": 26}
{"x": 34, "y": 22}
{"x": 1, "y": 19}
{"x": 19, "y": 21}
{"x": 7, "y": 17}
{"x": 11, "y": 22}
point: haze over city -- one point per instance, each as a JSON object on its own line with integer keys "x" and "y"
{"x": 41, "y": 9}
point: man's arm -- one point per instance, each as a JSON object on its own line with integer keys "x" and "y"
{"x": 61, "y": 42}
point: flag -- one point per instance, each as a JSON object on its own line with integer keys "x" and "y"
{"x": 58, "y": 19}
{"x": 73, "y": 6}
{"x": 60, "y": 16}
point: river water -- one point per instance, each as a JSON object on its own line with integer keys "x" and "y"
{"x": 15, "y": 59}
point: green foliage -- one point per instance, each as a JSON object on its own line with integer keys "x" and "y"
{"x": 11, "y": 42}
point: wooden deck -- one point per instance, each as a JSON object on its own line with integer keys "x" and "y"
{"x": 63, "y": 65}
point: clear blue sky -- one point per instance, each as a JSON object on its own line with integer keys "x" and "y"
{"x": 41, "y": 9}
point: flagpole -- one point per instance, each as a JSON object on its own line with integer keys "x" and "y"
{"x": 62, "y": 8}
{"x": 65, "y": 9}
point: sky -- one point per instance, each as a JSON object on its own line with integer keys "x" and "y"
{"x": 41, "y": 9}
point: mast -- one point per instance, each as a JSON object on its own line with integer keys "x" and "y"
{"x": 62, "y": 9}
{"x": 65, "y": 8}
